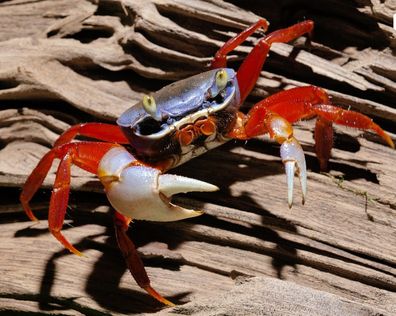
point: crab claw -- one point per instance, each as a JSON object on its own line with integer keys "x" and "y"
{"x": 142, "y": 192}
{"x": 293, "y": 157}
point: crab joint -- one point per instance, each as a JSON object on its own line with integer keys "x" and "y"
{"x": 278, "y": 128}
{"x": 142, "y": 192}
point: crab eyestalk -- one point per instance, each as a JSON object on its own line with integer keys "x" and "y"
{"x": 142, "y": 192}
{"x": 150, "y": 106}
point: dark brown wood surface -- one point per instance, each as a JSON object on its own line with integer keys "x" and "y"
{"x": 63, "y": 62}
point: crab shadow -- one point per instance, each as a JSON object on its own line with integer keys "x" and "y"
{"x": 103, "y": 282}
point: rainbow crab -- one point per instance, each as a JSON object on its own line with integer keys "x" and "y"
{"x": 177, "y": 123}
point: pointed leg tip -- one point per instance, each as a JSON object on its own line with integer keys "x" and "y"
{"x": 75, "y": 251}
{"x": 58, "y": 235}
{"x": 168, "y": 303}
{"x": 290, "y": 168}
{"x": 29, "y": 212}
{"x": 158, "y": 296}
{"x": 304, "y": 190}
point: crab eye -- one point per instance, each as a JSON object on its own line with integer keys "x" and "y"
{"x": 221, "y": 79}
{"x": 149, "y": 105}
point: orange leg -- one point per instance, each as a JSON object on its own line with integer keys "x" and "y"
{"x": 220, "y": 60}
{"x": 249, "y": 71}
{"x": 281, "y": 130}
{"x": 132, "y": 259}
{"x": 324, "y": 140}
{"x": 106, "y": 132}
{"x": 86, "y": 155}
{"x": 306, "y": 102}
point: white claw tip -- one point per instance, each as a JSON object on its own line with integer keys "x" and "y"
{"x": 170, "y": 184}
{"x": 294, "y": 160}
{"x": 289, "y": 168}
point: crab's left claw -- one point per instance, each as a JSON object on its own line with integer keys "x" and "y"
{"x": 293, "y": 157}
{"x": 142, "y": 192}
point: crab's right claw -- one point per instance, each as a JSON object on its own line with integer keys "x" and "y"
{"x": 293, "y": 158}
{"x": 143, "y": 192}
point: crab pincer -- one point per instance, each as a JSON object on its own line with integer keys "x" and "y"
{"x": 143, "y": 192}
{"x": 293, "y": 158}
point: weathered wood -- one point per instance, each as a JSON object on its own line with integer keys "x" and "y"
{"x": 71, "y": 61}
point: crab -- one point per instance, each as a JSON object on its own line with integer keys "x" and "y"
{"x": 179, "y": 122}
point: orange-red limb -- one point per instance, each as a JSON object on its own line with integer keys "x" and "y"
{"x": 276, "y": 126}
{"x": 59, "y": 200}
{"x": 302, "y": 102}
{"x": 220, "y": 59}
{"x": 293, "y": 105}
{"x": 86, "y": 155}
{"x": 306, "y": 102}
{"x": 101, "y": 131}
{"x": 250, "y": 69}
{"x": 351, "y": 119}
{"x": 34, "y": 182}
{"x": 324, "y": 139}
{"x": 132, "y": 259}
{"x": 284, "y": 102}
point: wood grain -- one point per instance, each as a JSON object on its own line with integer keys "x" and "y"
{"x": 74, "y": 61}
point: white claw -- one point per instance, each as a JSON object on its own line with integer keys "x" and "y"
{"x": 289, "y": 168}
{"x": 293, "y": 157}
{"x": 303, "y": 183}
{"x": 170, "y": 184}
{"x": 142, "y": 192}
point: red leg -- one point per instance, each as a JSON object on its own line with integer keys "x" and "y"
{"x": 305, "y": 102}
{"x": 132, "y": 259}
{"x": 351, "y": 119}
{"x": 106, "y": 132}
{"x": 86, "y": 155}
{"x": 324, "y": 136}
{"x": 58, "y": 203}
{"x": 250, "y": 69}
{"x": 293, "y": 105}
{"x": 281, "y": 130}
{"x": 34, "y": 182}
{"x": 220, "y": 61}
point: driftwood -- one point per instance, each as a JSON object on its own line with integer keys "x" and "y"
{"x": 63, "y": 62}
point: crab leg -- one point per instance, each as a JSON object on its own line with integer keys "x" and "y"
{"x": 101, "y": 131}
{"x": 85, "y": 155}
{"x": 220, "y": 61}
{"x": 281, "y": 130}
{"x": 249, "y": 71}
{"x": 132, "y": 259}
{"x": 310, "y": 101}
{"x": 134, "y": 189}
